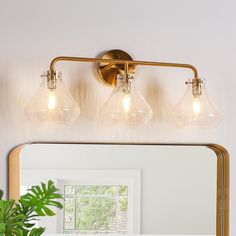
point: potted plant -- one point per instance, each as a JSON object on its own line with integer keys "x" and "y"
{"x": 20, "y": 218}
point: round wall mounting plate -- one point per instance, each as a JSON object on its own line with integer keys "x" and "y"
{"x": 109, "y": 71}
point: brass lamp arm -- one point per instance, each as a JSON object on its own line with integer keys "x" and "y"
{"x": 125, "y": 62}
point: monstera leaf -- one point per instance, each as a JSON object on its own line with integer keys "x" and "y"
{"x": 18, "y": 219}
{"x": 40, "y": 198}
{"x": 37, "y": 231}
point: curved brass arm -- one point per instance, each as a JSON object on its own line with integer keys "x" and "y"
{"x": 125, "y": 62}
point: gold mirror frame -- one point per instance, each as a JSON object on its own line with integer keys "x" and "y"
{"x": 222, "y": 215}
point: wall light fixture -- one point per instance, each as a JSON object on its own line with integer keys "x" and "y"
{"x": 53, "y": 103}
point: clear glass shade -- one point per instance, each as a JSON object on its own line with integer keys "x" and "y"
{"x": 126, "y": 106}
{"x": 52, "y": 105}
{"x": 197, "y": 111}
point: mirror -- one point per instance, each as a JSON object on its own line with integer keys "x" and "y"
{"x": 127, "y": 188}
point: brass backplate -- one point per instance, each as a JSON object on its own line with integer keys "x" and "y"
{"x": 108, "y": 71}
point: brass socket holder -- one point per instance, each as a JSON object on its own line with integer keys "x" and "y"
{"x": 51, "y": 80}
{"x": 196, "y": 87}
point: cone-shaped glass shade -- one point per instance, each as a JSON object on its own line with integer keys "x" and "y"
{"x": 197, "y": 111}
{"x": 126, "y": 106}
{"x": 52, "y": 105}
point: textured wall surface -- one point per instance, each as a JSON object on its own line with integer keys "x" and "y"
{"x": 199, "y": 32}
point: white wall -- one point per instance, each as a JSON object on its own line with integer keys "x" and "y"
{"x": 199, "y": 32}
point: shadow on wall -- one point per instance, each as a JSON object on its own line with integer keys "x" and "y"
{"x": 159, "y": 102}
{"x": 85, "y": 92}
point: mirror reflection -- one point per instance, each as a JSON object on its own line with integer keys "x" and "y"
{"x": 126, "y": 189}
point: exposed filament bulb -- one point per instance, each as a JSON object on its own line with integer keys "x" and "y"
{"x": 126, "y": 103}
{"x": 51, "y": 100}
{"x": 196, "y": 106}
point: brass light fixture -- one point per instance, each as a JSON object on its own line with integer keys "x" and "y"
{"x": 54, "y": 104}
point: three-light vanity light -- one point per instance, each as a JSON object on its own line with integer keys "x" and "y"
{"x": 54, "y": 104}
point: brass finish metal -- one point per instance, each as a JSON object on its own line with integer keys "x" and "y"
{"x": 127, "y": 64}
{"x": 222, "y": 216}
{"x": 108, "y": 71}
{"x": 222, "y": 208}
{"x": 51, "y": 83}
{"x": 197, "y": 87}
{"x": 14, "y": 172}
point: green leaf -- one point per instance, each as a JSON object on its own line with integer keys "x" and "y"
{"x": 2, "y": 227}
{"x": 40, "y": 198}
{"x": 19, "y": 218}
{"x": 37, "y": 231}
{"x": 10, "y": 222}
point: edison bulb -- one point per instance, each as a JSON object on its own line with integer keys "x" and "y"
{"x": 196, "y": 110}
{"x": 52, "y": 106}
{"x": 126, "y": 103}
{"x": 196, "y": 105}
{"x": 51, "y": 100}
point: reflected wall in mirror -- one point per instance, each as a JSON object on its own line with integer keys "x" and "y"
{"x": 128, "y": 188}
